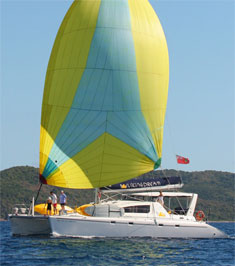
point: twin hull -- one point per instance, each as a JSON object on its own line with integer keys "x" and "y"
{"x": 25, "y": 225}
{"x": 123, "y": 218}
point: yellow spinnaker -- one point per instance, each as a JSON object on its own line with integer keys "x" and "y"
{"x": 105, "y": 95}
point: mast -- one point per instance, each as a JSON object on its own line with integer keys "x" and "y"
{"x": 96, "y": 195}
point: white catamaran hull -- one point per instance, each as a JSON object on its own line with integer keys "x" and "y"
{"x": 80, "y": 226}
{"x": 29, "y": 225}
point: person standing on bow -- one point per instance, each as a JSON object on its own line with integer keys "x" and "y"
{"x": 63, "y": 200}
{"x": 54, "y": 201}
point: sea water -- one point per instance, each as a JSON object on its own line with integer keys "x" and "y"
{"x": 134, "y": 251}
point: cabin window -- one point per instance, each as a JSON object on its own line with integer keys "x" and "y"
{"x": 137, "y": 209}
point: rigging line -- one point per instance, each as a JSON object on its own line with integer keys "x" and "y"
{"x": 177, "y": 198}
{"x": 120, "y": 194}
{"x": 178, "y": 173}
{"x": 176, "y": 189}
{"x": 38, "y": 193}
{"x": 172, "y": 146}
{"x": 163, "y": 171}
{"x": 107, "y": 197}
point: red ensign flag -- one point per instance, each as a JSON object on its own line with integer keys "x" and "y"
{"x": 182, "y": 160}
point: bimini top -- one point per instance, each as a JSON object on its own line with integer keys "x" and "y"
{"x": 105, "y": 95}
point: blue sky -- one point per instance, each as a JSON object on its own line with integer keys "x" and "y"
{"x": 200, "y": 119}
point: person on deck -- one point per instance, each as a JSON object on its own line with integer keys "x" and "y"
{"x": 54, "y": 201}
{"x": 63, "y": 200}
{"x": 49, "y": 202}
{"x": 160, "y": 198}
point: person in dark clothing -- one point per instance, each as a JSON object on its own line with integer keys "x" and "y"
{"x": 49, "y": 203}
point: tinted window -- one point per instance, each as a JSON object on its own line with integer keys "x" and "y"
{"x": 138, "y": 209}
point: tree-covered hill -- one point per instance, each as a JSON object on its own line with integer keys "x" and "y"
{"x": 215, "y": 190}
{"x": 20, "y": 184}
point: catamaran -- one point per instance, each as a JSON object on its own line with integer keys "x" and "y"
{"x": 137, "y": 213}
{"x": 102, "y": 122}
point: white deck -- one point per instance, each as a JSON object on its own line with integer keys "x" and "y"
{"x": 120, "y": 218}
{"x": 113, "y": 219}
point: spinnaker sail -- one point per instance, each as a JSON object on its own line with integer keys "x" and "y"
{"x": 105, "y": 95}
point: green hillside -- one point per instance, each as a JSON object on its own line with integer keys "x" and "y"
{"x": 215, "y": 190}
{"x": 20, "y": 185}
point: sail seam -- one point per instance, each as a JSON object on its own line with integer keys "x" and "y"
{"x": 112, "y": 28}
{"x": 102, "y": 68}
{"x": 110, "y": 111}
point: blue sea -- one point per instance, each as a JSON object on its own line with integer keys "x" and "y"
{"x": 137, "y": 251}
